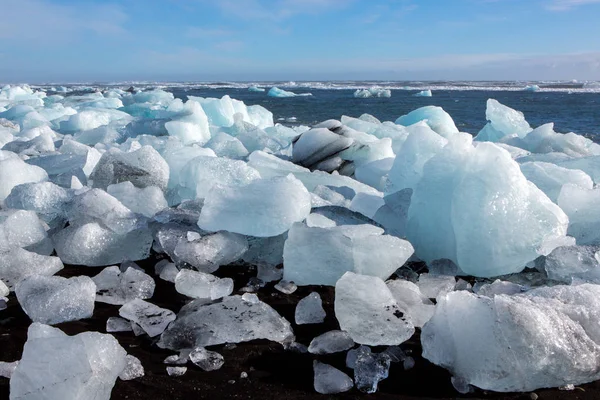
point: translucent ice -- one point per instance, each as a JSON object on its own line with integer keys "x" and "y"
{"x": 20, "y": 228}
{"x": 437, "y": 119}
{"x": 367, "y": 310}
{"x": 93, "y": 245}
{"x": 546, "y": 337}
{"x": 57, "y": 366}
{"x": 243, "y": 209}
{"x": 331, "y": 342}
{"x": 309, "y": 310}
{"x": 14, "y": 171}
{"x": 550, "y": 178}
{"x": 460, "y": 206}
{"x": 317, "y": 145}
{"x": 369, "y": 369}
{"x": 191, "y": 126}
{"x": 53, "y": 299}
{"x": 434, "y": 286}
{"x": 207, "y": 360}
{"x": 143, "y": 167}
{"x": 423, "y": 93}
{"x": 19, "y": 263}
{"x": 116, "y": 287}
{"x": 151, "y": 318}
{"x": 582, "y": 207}
{"x": 133, "y": 369}
{"x": 48, "y": 200}
{"x": 320, "y": 256}
{"x": 276, "y": 92}
{"x": 411, "y": 301}
{"x": 503, "y": 121}
{"x": 147, "y": 201}
{"x": 233, "y": 320}
{"x": 573, "y": 263}
{"x": 211, "y": 251}
{"x": 202, "y": 286}
{"x": 330, "y": 380}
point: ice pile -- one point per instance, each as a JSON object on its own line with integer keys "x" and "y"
{"x": 107, "y": 178}
{"x": 372, "y": 92}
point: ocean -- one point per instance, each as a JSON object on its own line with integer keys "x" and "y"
{"x": 572, "y": 106}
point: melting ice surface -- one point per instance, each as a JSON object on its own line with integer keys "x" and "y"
{"x": 99, "y": 179}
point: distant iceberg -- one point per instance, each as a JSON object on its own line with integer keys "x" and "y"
{"x": 372, "y": 92}
{"x": 424, "y": 93}
{"x": 255, "y": 89}
{"x": 532, "y": 88}
{"x": 276, "y": 92}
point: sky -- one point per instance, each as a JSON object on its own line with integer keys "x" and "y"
{"x": 251, "y": 40}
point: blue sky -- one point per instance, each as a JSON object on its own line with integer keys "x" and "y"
{"x": 104, "y": 40}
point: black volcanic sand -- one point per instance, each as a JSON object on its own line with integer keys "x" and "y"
{"x": 272, "y": 372}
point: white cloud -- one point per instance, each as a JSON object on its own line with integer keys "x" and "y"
{"x": 195, "y": 32}
{"x": 37, "y": 21}
{"x": 564, "y": 5}
{"x": 279, "y": 9}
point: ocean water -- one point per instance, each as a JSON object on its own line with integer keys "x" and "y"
{"x": 572, "y": 106}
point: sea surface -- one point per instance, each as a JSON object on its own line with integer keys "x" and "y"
{"x": 572, "y": 106}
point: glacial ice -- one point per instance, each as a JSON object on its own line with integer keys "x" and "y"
{"x": 462, "y": 184}
{"x": 105, "y": 177}
{"x": 549, "y": 333}
{"x": 367, "y": 310}
{"x": 200, "y": 285}
{"x": 331, "y": 342}
{"x": 133, "y": 369}
{"x": 276, "y": 92}
{"x": 233, "y": 320}
{"x": 263, "y": 208}
{"x": 424, "y": 93}
{"x": 330, "y": 380}
{"x": 320, "y": 256}
{"x": 53, "y": 299}
{"x": 309, "y": 310}
{"x": 114, "y": 286}
{"x": 151, "y": 318}
{"x": 207, "y": 360}
{"x": 57, "y": 366}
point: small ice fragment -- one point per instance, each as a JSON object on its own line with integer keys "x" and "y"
{"x": 116, "y": 287}
{"x": 296, "y": 347}
{"x": 330, "y": 380}
{"x": 369, "y": 370}
{"x": 133, "y": 369}
{"x": 286, "y": 287}
{"x": 310, "y": 310}
{"x": 206, "y": 359}
{"x": 202, "y": 286}
{"x": 331, "y": 342}
{"x": 153, "y": 319}
{"x": 434, "y": 286}
{"x": 176, "y": 371}
{"x": 244, "y": 375}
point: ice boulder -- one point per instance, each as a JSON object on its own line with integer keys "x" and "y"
{"x": 114, "y": 286}
{"x": 48, "y": 200}
{"x": 255, "y": 89}
{"x": 200, "y": 174}
{"x": 18, "y": 263}
{"x": 583, "y": 208}
{"x": 330, "y": 380}
{"x": 503, "y": 122}
{"x": 94, "y": 245}
{"x": 545, "y": 140}
{"x": 233, "y": 320}
{"x": 550, "y": 178}
{"x": 424, "y": 93}
{"x": 367, "y": 310}
{"x": 460, "y": 208}
{"x": 53, "y": 299}
{"x": 207, "y": 253}
{"x": 276, "y": 92}
{"x": 320, "y": 256}
{"x": 151, "y": 318}
{"x": 57, "y": 366}
{"x": 91, "y": 118}
{"x": 21, "y": 228}
{"x": 146, "y": 201}
{"x": 202, "y": 286}
{"x": 414, "y": 304}
{"x": 547, "y": 337}
{"x": 437, "y": 119}
{"x": 144, "y": 167}
{"x": 573, "y": 264}
{"x": 191, "y": 126}
{"x": 263, "y": 208}
{"x": 420, "y": 146}
{"x": 14, "y": 171}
